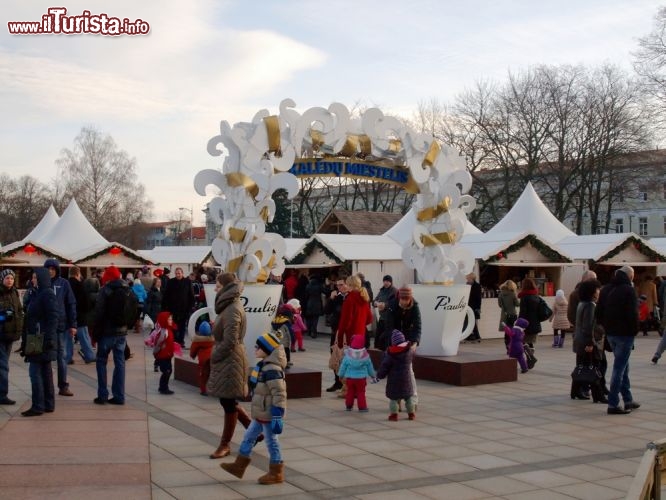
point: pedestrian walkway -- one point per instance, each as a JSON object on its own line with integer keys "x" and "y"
{"x": 516, "y": 440}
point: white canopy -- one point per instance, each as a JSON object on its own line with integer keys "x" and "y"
{"x": 530, "y": 215}
{"x": 353, "y": 247}
{"x": 401, "y": 232}
{"x": 73, "y": 232}
{"x": 177, "y": 255}
{"x": 45, "y": 225}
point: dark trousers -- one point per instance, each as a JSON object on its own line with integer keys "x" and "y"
{"x": 166, "y": 369}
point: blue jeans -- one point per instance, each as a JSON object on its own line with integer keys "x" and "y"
{"x": 43, "y": 393}
{"x": 619, "y": 384}
{"x": 61, "y": 359}
{"x": 86, "y": 345}
{"x": 105, "y": 345}
{"x": 5, "y": 351}
{"x": 271, "y": 440}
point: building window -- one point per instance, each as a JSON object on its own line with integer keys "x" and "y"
{"x": 619, "y": 225}
{"x": 663, "y": 189}
{"x": 664, "y": 225}
{"x": 642, "y": 193}
{"x": 642, "y": 226}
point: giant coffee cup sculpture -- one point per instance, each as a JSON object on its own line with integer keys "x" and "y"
{"x": 262, "y": 156}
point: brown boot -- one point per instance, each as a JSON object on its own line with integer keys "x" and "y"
{"x": 275, "y": 474}
{"x": 238, "y": 467}
{"x": 227, "y": 433}
{"x": 245, "y": 420}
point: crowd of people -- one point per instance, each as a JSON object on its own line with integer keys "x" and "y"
{"x": 100, "y": 310}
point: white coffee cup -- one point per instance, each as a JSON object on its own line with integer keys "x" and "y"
{"x": 443, "y": 311}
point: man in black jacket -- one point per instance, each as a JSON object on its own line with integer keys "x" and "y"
{"x": 617, "y": 311}
{"x": 83, "y": 307}
{"x": 179, "y": 300}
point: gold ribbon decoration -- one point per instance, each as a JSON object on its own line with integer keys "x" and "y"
{"x": 262, "y": 276}
{"x": 351, "y": 146}
{"x": 445, "y": 283}
{"x": 395, "y": 145}
{"x": 366, "y": 144}
{"x": 432, "y": 153}
{"x": 263, "y": 213}
{"x": 432, "y": 212}
{"x": 273, "y": 129}
{"x": 271, "y": 262}
{"x": 445, "y": 238}
{"x": 234, "y": 264}
{"x": 238, "y": 179}
{"x": 317, "y": 139}
{"x": 356, "y": 143}
{"x": 237, "y": 235}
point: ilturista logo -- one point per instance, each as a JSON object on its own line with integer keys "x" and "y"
{"x": 57, "y": 22}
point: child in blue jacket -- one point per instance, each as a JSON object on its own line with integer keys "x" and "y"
{"x": 356, "y": 366}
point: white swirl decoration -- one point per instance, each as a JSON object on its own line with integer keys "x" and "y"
{"x": 259, "y": 155}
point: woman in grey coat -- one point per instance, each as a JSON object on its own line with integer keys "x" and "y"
{"x": 228, "y": 361}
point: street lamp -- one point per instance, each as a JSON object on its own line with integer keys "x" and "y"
{"x": 191, "y": 211}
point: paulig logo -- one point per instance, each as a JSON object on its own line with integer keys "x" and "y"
{"x": 445, "y": 303}
{"x": 268, "y": 308}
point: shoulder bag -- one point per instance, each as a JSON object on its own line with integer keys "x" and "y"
{"x": 34, "y": 343}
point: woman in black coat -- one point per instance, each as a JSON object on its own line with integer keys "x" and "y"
{"x": 588, "y": 342}
{"x": 42, "y": 316}
{"x": 313, "y": 304}
{"x": 529, "y": 309}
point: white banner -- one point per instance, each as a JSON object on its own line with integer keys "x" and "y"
{"x": 443, "y": 310}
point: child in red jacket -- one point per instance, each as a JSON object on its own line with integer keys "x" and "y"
{"x": 202, "y": 346}
{"x": 643, "y": 314}
{"x": 297, "y": 326}
{"x": 163, "y": 350}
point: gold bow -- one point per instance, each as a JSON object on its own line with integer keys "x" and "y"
{"x": 238, "y": 179}
{"x": 446, "y": 237}
{"x": 432, "y": 153}
{"x": 432, "y": 212}
{"x": 234, "y": 264}
{"x": 351, "y": 147}
{"x": 273, "y": 129}
{"x": 237, "y": 235}
{"x": 317, "y": 139}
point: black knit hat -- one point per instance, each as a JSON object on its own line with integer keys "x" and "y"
{"x": 388, "y": 277}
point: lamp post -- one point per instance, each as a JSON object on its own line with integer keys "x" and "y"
{"x": 191, "y": 211}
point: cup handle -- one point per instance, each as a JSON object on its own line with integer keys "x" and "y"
{"x": 191, "y": 324}
{"x": 471, "y": 319}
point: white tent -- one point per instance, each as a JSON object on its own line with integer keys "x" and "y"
{"x": 401, "y": 232}
{"x": 187, "y": 257}
{"x": 47, "y": 223}
{"x": 530, "y": 215}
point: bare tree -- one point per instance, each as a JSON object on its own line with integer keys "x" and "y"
{"x": 650, "y": 61}
{"x": 24, "y": 202}
{"x": 103, "y": 180}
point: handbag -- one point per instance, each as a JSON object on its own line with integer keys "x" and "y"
{"x": 529, "y": 356}
{"x": 34, "y": 343}
{"x": 586, "y": 374}
{"x": 337, "y": 353}
{"x": 544, "y": 312}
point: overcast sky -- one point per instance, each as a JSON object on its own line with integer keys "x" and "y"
{"x": 162, "y": 96}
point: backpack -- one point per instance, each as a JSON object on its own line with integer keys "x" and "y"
{"x": 121, "y": 307}
{"x": 544, "y": 312}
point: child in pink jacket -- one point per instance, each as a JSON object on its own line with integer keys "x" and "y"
{"x": 298, "y": 326}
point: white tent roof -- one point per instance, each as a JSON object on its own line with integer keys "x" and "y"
{"x": 486, "y": 245}
{"x": 176, "y": 255}
{"x": 294, "y": 247}
{"x": 530, "y": 215}
{"x": 659, "y": 244}
{"x": 72, "y": 233}
{"x": 595, "y": 246}
{"x": 401, "y": 232}
{"x": 45, "y": 225}
{"x": 361, "y": 246}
